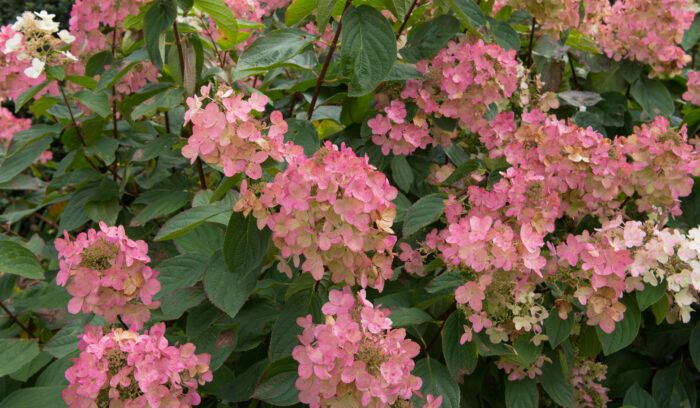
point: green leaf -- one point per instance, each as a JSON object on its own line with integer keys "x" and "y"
{"x": 423, "y": 213}
{"x": 28, "y": 95}
{"x": 226, "y": 290}
{"x": 660, "y": 308}
{"x": 41, "y": 105}
{"x": 653, "y": 96}
{"x": 461, "y": 359}
{"x": 175, "y": 303}
{"x": 448, "y": 281}
{"x": 55, "y": 72}
{"x": 285, "y": 331}
{"x": 180, "y": 272}
{"x": 113, "y": 75}
{"x": 401, "y": 172}
{"x": 636, "y": 396}
{"x": 504, "y": 34}
{"x": 694, "y": 345}
{"x": 469, "y": 14}
{"x": 403, "y": 317}
{"x": 555, "y": 381}
{"x": 96, "y": 64}
{"x": 625, "y": 331}
{"x": 15, "y": 353}
{"x": 273, "y": 49}
{"x": 186, "y": 221}
{"x": 692, "y": 34}
{"x": 45, "y": 397}
{"x": 650, "y": 294}
{"x": 18, "y": 161}
{"x": 244, "y": 245}
{"x": 464, "y": 170}
{"x": 18, "y": 260}
{"x": 222, "y": 15}
{"x": 304, "y": 134}
{"x": 277, "y": 385}
{"x": 436, "y": 381}
{"x": 558, "y": 330}
{"x": 31, "y": 368}
{"x": 159, "y": 17}
{"x": 298, "y": 10}
{"x": 65, "y": 341}
{"x": 368, "y": 48}
{"x": 672, "y": 386}
{"x": 426, "y": 39}
{"x": 164, "y": 205}
{"x": 521, "y": 393}
{"x": 96, "y": 101}
{"x": 324, "y": 10}
{"x": 398, "y": 8}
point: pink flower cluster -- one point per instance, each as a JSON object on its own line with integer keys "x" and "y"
{"x": 125, "y": 369}
{"x": 692, "y": 95}
{"x": 555, "y": 16}
{"x": 106, "y": 273}
{"x": 9, "y": 125}
{"x": 336, "y": 210}
{"x": 356, "y": 358}
{"x": 648, "y": 31}
{"x": 255, "y": 11}
{"x": 89, "y": 17}
{"x": 460, "y": 82}
{"x": 227, "y": 134}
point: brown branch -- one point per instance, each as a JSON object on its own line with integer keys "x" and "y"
{"x": 200, "y": 170}
{"x": 180, "y": 54}
{"x": 405, "y": 20}
{"x": 529, "y": 47}
{"x": 327, "y": 62}
{"x": 72, "y": 118}
{"x": 20, "y": 324}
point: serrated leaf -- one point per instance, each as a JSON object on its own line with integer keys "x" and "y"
{"x": 650, "y": 294}
{"x": 398, "y": 8}
{"x": 461, "y": 359}
{"x": 19, "y": 160}
{"x": 298, "y": 10}
{"x": 637, "y": 397}
{"x": 423, "y": 213}
{"x": 324, "y": 10}
{"x": 368, "y": 48}
{"x": 32, "y": 397}
{"x": 18, "y": 260}
{"x": 96, "y": 101}
{"x": 15, "y": 353}
{"x": 653, "y": 96}
{"x": 159, "y": 17}
{"x": 555, "y": 381}
{"x": 27, "y": 95}
{"x": 187, "y": 221}
{"x": 558, "y": 330}
{"x": 401, "y": 172}
{"x": 427, "y": 38}
{"x": 222, "y": 15}
{"x": 226, "y": 290}
{"x": 625, "y": 331}
{"x": 521, "y": 393}
{"x": 244, "y": 245}
{"x": 273, "y": 49}
{"x": 285, "y": 331}
{"x": 436, "y": 381}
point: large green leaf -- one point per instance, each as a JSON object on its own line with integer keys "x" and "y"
{"x": 401, "y": 172}
{"x": 15, "y": 353}
{"x": 180, "y": 271}
{"x": 427, "y": 38}
{"x": 298, "y": 10}
{"x": 625, "y": 331}
{"x": 285, "y": 331}
{"x": 159, "y": 17}
{"x": 222, "y": 15}
{"x": 521, "y": 393}
{"x": 96, "y": 101}
{"x": 244, "y": 245}
{"x": 226, "y": 290}
{"x": 274, "y": 49}
{"x": 186, "y": 221}
{"x": 557, "y": 329}
{"x": 324, "y": 10}
{"x": 368, "y": 48}
{"x": 461, "y": 359}
{"x": 653, "y": 96}
{"x": 650, "y": 294}
{"x": 422, "y": 213}
{"x": 436, "y": 381}
{"x": 694, "y": 345}
{"x": 18, "y": 260}
{"x": 19, "y": 160}
{"x": 556, "y": 382}
{"x": 33, "y": 397}
{"x": 636, "y": 396}
{"x": 398, "y": 8}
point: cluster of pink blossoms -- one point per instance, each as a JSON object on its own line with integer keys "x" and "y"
{"x": 648, "y": 31}
{"x": 692, "y": 95}
{"x": 336, "y": 210}
{"x": 356, "y": 358}
{"x": 9, "y": 125}
{"x": 460, "y": 82}
{"x": 124, "y": 369}
{"x": 586, "y": 377}
{"x": 558, "y": 169}
{"x": 106, "y": 273}
{"x": 555, "y": 16}
{"x": 227, "y": 134}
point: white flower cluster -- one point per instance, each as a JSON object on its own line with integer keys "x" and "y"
{"x": 35, "y": 31}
